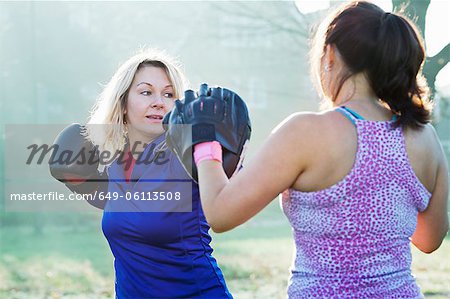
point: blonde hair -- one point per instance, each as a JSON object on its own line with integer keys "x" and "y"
{"x": 105, "y": 127}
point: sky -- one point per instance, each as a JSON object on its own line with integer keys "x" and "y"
{"x": 437, "y": 28}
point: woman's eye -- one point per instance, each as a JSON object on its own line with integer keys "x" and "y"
{"x": 168, "y": 95}
{"x": 146, "y": 93}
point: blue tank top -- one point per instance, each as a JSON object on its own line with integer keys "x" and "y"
{"x": 165, "y": 253}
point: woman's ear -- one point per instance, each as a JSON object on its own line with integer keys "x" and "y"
{"x": 329, "y": 57}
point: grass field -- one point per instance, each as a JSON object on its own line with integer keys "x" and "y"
{"x": 63, "y": 262}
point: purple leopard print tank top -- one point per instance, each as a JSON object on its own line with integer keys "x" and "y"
{"x": 352, "y": 240}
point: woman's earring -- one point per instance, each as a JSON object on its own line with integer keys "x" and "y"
{"x": 327, "y": 68}
{"x": 125, "y": 128}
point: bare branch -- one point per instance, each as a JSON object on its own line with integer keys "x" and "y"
{"x": 415, "y": 10}
{"x": 283, "y": 23}
{"x": 434, "y": 64}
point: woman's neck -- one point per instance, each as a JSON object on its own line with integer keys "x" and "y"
{"x": 137, "y": 144}
{"x": 356, "y": 89}
{"x": 357, "y": 94}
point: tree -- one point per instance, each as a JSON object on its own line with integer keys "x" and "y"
{"x": 285, "y": 18}
{"x": 417, "y": 11}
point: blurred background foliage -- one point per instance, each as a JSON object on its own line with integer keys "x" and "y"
{"x": 54, "y": 59}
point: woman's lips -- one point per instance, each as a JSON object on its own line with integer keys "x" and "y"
{"x": 154, "y": 118}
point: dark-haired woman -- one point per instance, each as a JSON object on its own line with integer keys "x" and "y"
{"x": 361, "y": 180}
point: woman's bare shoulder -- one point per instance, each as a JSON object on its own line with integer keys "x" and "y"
{"x": 311, "y": 131}
{"x": 309, "y": 122}
{"x": 424, "y": 140}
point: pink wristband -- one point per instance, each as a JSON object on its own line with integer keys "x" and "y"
{"x": 208, "y": 151}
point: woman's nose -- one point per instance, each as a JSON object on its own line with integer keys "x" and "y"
{"x": 158, "y": 103}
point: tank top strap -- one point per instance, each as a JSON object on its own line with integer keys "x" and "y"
{"x": 350, "y": 114}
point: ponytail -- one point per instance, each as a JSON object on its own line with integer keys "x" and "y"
{"x": 395, "y": 72}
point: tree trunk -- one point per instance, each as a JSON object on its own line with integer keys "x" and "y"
{"x": 417, "y": 11}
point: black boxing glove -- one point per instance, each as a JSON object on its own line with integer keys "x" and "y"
{"x": 75, "y": 161}
{"x": 216, "y": 114}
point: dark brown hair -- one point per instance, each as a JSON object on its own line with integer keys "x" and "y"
{"x": 389, "y": 50}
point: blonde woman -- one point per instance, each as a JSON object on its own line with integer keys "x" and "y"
{"x": 152, "y": 215}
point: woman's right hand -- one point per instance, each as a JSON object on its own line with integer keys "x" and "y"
{"x": 75, "y": 161}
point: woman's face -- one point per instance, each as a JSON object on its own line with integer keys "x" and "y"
{"x": 150, "y": 97}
